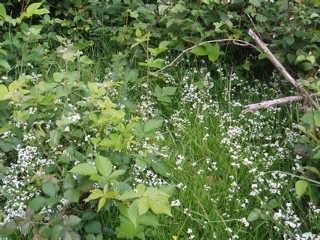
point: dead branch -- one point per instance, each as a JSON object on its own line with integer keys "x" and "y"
{"x": 266, "y": 104}
{"x": 233, "y": 41}
{"x": 283, "y": 71}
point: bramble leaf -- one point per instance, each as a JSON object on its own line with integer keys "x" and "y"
{"x": 84, "y": 169}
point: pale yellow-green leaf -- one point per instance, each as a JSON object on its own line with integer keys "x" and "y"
{"x": 95, "y": 193}
{"x": 301, "y": 187}
{"x": 133, "y": 213}
{"x": 143, "y": 205}
{"x": 130, "y": 194}
{"x": 141, "y": 188}
{"x": 101, "y": 203}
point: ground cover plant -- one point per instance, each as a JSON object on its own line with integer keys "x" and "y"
{"x": 106, "y": 134}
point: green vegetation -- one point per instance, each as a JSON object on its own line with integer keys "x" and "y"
{"x": 122, "y": 120}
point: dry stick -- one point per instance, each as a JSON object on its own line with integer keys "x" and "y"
{"x": 266, "y": 104}
{"x": 234, "y": 41}
{"x": 283, "y": 71}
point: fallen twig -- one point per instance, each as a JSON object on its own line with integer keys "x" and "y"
{"x": 283, "y": 71}
{"x": 266, "y": 104}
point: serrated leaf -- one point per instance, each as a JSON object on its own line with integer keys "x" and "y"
{"x": 84, "y": 169}
{"x": 95, "y": 193}
{"x": 133, "y": 212}
{"x": 143, "y": 205}
{"x": 160, "y": 167}
{"x": 101, "y": 203}
{"x": 8, "y": 228}
{"x": 89, "y": 216}
{"x": 37, "y": 203}
{"x": 93, "y": 227}
{"x": 68, "y": 182}
{"x": 71, "y": 220}
{"x": 150, "y": 220}
{"x": 98, "y": 178}
{"x": 169, "y": 90}
{"x": 152, "y": 124}
{"x": 141, "y": 188}
{"x": 50, "y": 189}
{"x": 129, "y": 195}
{"x": 71, "y": 235}
{"x": 312, "y": 118}
{"x": 301, "y": 187}
{"x": 159, "y": 204}
{"x": 127, "y": 229}
{"x": 117, "y": 173}
{"x": 72, "y": 195}
{"x": 104, "y": 165}
{"x": 56, "y": 232}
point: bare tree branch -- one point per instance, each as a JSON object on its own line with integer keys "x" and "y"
{"x": 281, "y": 68}
{"x": 233, "y": 41}
{"x": 266, "y": 104}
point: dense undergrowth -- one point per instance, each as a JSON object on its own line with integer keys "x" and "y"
{"x": 96, "y": 145}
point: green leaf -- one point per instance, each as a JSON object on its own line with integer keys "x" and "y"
{"x": 312, "y": 118}
{"x": 71, "y": 235}
{"x": 89, "y": 216}
{"x": 141, "y": 188}
{"x": 95, "y": 193}
{"x": 5, "y": 65}
{"x": 72, "y": 195}
{"x": 289, "y": 40}
{"x": 169, "y": 90}
{"x": 85, "y": 59}
{"x": 253, "y": 215}
{"x": 71, "y": 220}
{"x": 7, "y": 228}
{"x": 68, "y": 182}
{"x": 143, "y": 205}
{"x": 50, "y": 189}
{"x": 133, "y": 213}
{"x": 4, "y": 92}
{"x": 127, "y": 230}
{"x": 55, "y": 136}
{"x": 104, "y": 165}
{"x": 37, "y": 203}
{"x": 3, "y": 12}
{"x": 152, "y": 124}
{"x": 84, "y": 169}
{"x": 301, "y": 187}
{"x": 313, "y": 169}
{"x": 57, "y": 232}
{"x": 58, "y": 77}
{"x": 273, "y": 204}
{"x": 98, "y": 178}
{"x": 160, "y": 167}
{"x": 117, "y": 173}
{"x": 101, "y": 203}
{"x": 131, "y": 194}
{"x": 150, "y": 220}
{"x": 200, "y": 50}
{"x": 93, "y": 227}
